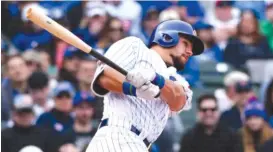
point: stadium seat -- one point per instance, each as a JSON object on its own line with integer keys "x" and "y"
{"x": 211, "y": 74}
{"x": 260, "y": 70}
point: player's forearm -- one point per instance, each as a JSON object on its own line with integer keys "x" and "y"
{"x": 111, "y": 80}
{"x": 173, "y": 95}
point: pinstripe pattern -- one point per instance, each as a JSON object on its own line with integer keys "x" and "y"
{"x": 148, "y": 116}
{"x": 119, "y": 140}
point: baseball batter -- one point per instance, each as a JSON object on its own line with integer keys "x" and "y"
{"x": 136, "y": 107}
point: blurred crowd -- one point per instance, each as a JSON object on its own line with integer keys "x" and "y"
{"x": 47, "y": 104}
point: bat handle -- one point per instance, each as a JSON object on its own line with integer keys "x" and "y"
{"x": 108, "y": 62}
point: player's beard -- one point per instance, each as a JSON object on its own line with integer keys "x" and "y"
{"x": 177, "y": 63}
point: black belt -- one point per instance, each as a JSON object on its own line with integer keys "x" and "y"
{"x": 104, "y": 122}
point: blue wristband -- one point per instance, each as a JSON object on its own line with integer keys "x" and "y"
{"x": 128, "y": 89}
{"x": 159, "y": 81}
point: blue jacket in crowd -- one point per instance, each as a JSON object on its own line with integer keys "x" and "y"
{"x": 56, "y": 121}
{"x": 24, "y": 41}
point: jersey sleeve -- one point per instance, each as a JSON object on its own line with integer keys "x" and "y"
{"x": 123, "y": 53}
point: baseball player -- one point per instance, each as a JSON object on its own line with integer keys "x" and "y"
{"x": 136, "y": 107}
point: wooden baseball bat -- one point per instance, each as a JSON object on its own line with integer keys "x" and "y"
{"x": 62, "y": 33}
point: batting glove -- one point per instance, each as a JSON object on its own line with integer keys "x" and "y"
{"x": 148, "y": 91}
{"x": 138, "y": 77}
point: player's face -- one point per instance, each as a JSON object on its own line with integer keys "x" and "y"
{"x": 180, "y": 53}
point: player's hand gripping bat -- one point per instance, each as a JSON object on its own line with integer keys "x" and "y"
{"x": 59, "y": 31}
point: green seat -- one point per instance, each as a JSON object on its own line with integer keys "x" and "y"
{"x": 209, "y": 74}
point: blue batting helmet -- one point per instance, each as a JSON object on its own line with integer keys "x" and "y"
{"x": 166, "y": 34}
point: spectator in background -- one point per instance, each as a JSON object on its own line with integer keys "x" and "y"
{"x": 33, "y": 60}
{"x": 95, "y": 17}
{"x": 268, "y": 103}
{"x": 24, "y": 133}
{"x": 160, "y": 6}
{"x": 224, "y": 18}
{"x": 15, "y": 83}
{"x": 248, "y": 43}
{"x": 47, "y": 66}
{"x": 129, "y": 12}
{"x": 70, "y": 66}
{"x": 208, "y": 135}
{"x": 58, "y": 119}
{"x": 190, "y": 11}
{"x": 56, "y": 8}
{"x": 255, "y": 130}
{"x": 266, "y": 26}
{"x": 233, "y": 118}
{"x": 111, "y": 34}
{"x": 83, "y": 128}
{"x": 38, "y": 84}
{"x": 227, "y": 97}
{"x": 258, "y": 6}
{"x": 212, "y": 51}
{"x": 86, "y": 71}
{"x": 71, "y": 9}
{"x": 149, "y": 22}
{"x": 169, "y": 14}
{"x": 32, "y": 35}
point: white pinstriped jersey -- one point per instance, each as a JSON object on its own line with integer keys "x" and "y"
{"x": 149, "y": 116}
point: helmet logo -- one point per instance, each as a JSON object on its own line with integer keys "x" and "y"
{"x": 167, "y": 38}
